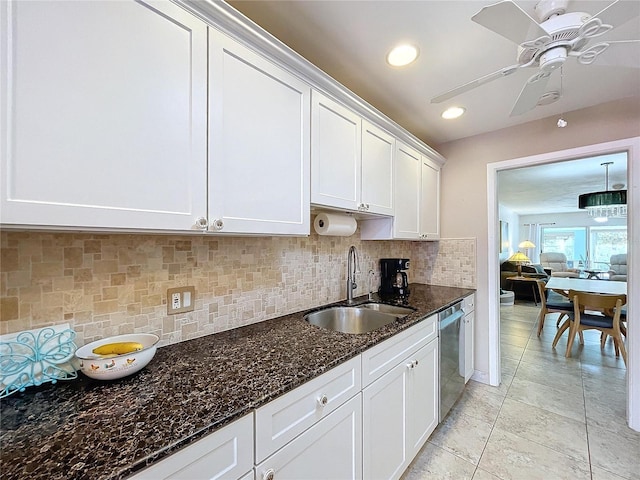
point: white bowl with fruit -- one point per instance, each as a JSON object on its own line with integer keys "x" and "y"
{"x": 117, "y": 357}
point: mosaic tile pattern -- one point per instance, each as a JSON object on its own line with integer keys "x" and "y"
{"x": 113, "y": 284}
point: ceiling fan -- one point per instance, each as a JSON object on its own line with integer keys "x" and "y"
{"x": 546, "y": 45}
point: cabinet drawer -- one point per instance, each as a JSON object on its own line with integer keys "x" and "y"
{"x": 226, "y": 453}
{"x": 331, "y": 449}
{"x": 468, "y": 303}
{"x": 286, "y": 417}
{"x": 383, "y": 357}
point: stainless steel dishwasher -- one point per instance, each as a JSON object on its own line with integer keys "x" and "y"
{"x": 451, "y": 338}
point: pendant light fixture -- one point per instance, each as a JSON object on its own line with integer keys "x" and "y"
{"x": 607, "y": 204}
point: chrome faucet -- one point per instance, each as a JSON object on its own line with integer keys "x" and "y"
{"x": 372, "y": 275}
{"x": 352, "y": 269}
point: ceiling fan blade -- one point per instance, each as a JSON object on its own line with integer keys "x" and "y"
{"x": 623, "y": 53}
{"x": 531, "y": 93}
{"x": 503, "y": 72}
{"x": 618, "y": 12}
{"x": 509, "y": 20}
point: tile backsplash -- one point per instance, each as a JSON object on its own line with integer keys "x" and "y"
{"x": 109, "y": 284}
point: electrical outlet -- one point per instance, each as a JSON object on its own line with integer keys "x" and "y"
{"x": 175, "y": 301}
{"x": 180, "y": 299}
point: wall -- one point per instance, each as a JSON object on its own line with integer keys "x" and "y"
{"x": 112, "y": 284}
{"x": 506, "y": 215}
{"x": 465, "y": 215}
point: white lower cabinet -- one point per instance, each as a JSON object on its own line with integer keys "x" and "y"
{"x": 469, "y": 351}
{"x": 330, "y": 428}
{"x": 283, "y": 419}
{"x": 224, "y": 454}
{"x": 400, "y": 408}
{"x": 383, "y": 425}
{"x": 422, "y": 397}
{"x": 329, "y": 450}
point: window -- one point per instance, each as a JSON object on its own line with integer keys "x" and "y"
{"x": 585, "y": 246}
{"x": 604, "y": 242}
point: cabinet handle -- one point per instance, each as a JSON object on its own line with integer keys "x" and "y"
{"x": 323, "y": 400}
{"x": 269, "y": 474}
{"x": 413, "y": 364}
{"x": 202, "y": 223}
{"x": 218, "y": 224}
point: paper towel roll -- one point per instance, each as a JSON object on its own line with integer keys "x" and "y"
{"x": 335, "y": 224}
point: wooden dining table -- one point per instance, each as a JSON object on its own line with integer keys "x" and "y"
{"x": 562, "y": 285}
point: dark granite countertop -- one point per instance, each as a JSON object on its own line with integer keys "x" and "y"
{"x": 92, "y": 429}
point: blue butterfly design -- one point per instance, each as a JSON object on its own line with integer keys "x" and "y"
{"x": 31, "y": 359}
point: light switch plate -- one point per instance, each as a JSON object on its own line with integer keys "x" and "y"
{"x": 180, "y": 299}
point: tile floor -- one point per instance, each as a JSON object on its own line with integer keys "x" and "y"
{"x": 551, "y": 418}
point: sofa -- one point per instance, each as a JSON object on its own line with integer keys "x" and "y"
{"x": 557, "y": 262}
{"x": 521, "y": 290}
{"x": 618, "y": 267}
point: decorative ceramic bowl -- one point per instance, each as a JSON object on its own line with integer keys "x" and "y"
{"x": 109, "y": 367}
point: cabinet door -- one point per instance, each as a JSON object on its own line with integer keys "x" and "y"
{"x": 469, "y": 319}
{"x": 430, "y": 200}
{"x": 258, "y": 143}
{"x": 104, "y": 115}
{"x": 335, "y": 154}
{"x": 384, "y": 449}
{"x": 224, "y": 454}
{"x": 377, "y": 169}
{"x": 422, "y": 396}
{"x": 407, "y": 185}
{"x": 281, "y": 420}
{"x": 330, "y": 450}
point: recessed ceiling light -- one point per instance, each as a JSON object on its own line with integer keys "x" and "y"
{"x": 453, "y": 112}
{"x": 402, "y": 55}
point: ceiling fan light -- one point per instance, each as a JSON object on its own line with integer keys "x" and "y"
{"x": 402, "y": 55}
{"x": 453, "y": 112}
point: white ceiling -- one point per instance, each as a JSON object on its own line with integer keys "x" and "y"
{"x": 554, "y": 188}
{"x": 350, "y": 39}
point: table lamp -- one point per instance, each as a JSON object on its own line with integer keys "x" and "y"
{"x": 526, "y": 245}
{"x": 519, "y": 259}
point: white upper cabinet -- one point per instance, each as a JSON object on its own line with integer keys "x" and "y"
{"x": 416, "y": 199}
{"x": 407, "y": 186}
{"x": 335, "y": 154}
{"x": 351, "y": 160}
{"x": 377, "y": 169}
{"x": 104, "y": 115}
{"x": 258, "y": 143}
{"x": 430, "y": 200}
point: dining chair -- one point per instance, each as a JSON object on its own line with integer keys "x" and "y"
{"x": 594, "y": 311}
{"x": 552, "y": 303}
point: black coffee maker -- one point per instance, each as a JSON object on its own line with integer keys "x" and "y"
{"x": 394, "y": 283}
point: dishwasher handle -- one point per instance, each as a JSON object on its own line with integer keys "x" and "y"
{"x": 446, "y": 321}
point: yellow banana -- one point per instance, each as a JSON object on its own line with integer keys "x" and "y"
{"x": 118, "y": 348}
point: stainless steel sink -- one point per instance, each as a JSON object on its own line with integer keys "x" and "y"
{"x": 391, "y": 309}
{"x": 353, "y": 319}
